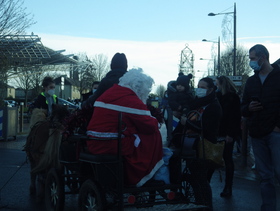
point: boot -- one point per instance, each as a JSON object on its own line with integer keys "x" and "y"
{"x": 227, "y": 192}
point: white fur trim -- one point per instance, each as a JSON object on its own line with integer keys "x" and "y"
{"x": 151, "y": 174}
{"x": 122, "y": 108}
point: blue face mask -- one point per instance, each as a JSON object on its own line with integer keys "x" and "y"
{"x": 255, "y": 65}
{"x": 200, "y": 92}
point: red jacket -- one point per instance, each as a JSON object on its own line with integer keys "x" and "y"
{"x": 141, "y": 143}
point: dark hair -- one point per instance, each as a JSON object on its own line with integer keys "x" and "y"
{"x": 209, "y": 81}
{"x": 260, "y": 50}
{"x": 47, "y": 81}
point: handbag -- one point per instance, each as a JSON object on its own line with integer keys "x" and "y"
{"x": 211, "y": 152}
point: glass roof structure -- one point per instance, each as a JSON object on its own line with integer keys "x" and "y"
{"x": 28, "y": 50}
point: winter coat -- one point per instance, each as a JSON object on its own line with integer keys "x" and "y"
{"x": 209, "y": 123}
{"x": 231, "y": 118}
{"x": 178, "y": 101}
{"x": 108, "y": 81}
{"x": 141, "y": 142}
{"x": 262, "y": 122}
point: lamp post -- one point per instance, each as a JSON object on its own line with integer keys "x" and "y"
{"x": 219, "y": 54}
{"x": 234, "y": 34}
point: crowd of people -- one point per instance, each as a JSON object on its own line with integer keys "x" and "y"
{"x": 218, "y": 111}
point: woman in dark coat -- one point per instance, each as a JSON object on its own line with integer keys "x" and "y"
{"x": 210, "y": 111}
{"x": 230, "y": 128}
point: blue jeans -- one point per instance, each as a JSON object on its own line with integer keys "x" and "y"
{"x": 266, "y": 151}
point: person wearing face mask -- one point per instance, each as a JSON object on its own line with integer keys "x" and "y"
{"x": 229, "y": 129}
{"x": 94, "y": 87}
{"x": 47, "y": 98}
{"x": 210, "y": 111}
{"x": 261, "y": 106}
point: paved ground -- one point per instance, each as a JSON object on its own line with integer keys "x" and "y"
{"x": 14, "y": 182}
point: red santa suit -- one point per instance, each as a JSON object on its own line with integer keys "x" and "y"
{"x": 141, "y": 142}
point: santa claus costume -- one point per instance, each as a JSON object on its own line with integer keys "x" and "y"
{"x": 141, "y": 139}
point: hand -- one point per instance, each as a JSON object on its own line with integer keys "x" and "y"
{"x": 255, "y": 106}
{"x": 229, "y": 139}
{"x": 183, "y": 120}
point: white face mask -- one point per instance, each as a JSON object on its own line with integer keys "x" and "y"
{"x": 51, "y": 92}
{"x": 200, "y": 92}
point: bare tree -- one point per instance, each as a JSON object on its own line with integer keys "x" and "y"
{"x": 160, "y": 91}
{"x": 93, "y": 69}
{"x": 13, "y": 17}
{"x": 100, "y": 66}
{"x": 242, "y": 63}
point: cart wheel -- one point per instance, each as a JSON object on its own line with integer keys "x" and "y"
{"x": 54, "y": 191}
{"x": 90, "y": 197}
{"x": 187, "y": 189}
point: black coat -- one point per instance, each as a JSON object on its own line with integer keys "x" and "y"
{"x": 107, "y": 82}
{"x": 231, "y": 118}
{"x": 210, "y": 120}
{"x": 262, "y": 122}
{"x": 177, "y": 99}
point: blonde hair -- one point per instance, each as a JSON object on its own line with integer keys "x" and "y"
{"x": 226, "y": 85}
{"x": 138, "y": 82}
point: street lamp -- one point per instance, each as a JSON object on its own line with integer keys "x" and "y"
{"x": 234, "y": 34}
{"x": 219, "y": 54}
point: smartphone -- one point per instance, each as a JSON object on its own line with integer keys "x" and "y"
{"x": 255, "y": 98}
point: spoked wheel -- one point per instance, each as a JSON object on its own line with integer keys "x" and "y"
{"x": 90, "y": 197}
{"x": 188, "y": 191}
{"x": 54, "y": 191}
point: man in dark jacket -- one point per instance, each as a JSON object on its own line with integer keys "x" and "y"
{"x": 118, "y": 69}
{"x": 261, "y": 105}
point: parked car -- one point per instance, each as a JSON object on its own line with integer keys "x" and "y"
{"x": 70, "y": 105}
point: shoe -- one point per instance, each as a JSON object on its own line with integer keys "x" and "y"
{"x": 227, "y": 192}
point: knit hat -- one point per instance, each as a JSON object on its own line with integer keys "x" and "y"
{"x": 184, "y": 80}
{"x": 119, "y": 61}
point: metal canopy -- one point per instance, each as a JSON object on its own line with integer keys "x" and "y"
{"x": 27, "y": 50}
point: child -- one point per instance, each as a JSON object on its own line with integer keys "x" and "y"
{"x": 179, "y": 94}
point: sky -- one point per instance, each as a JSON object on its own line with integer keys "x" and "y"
{"x": 152, "y": 33}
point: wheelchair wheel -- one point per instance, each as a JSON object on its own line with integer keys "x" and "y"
{"x": 90, "y": 197}
{"x": 188, "y": 191}
{"x": 54, "y": 191}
